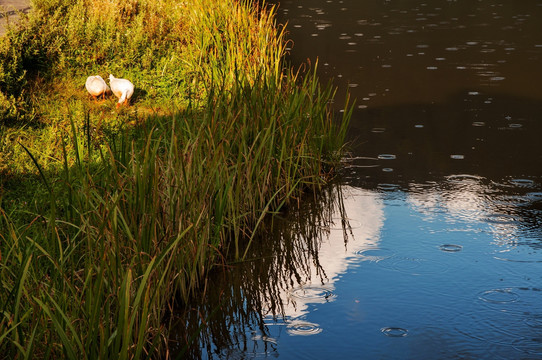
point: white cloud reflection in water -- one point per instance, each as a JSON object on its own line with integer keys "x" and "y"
{"x": 363, "y": 212}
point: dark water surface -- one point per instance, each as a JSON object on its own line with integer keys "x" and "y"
{"x": 430, "y": 246}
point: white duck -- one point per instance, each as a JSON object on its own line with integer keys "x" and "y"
{"x": 96, "y": 86}
{"x": 122, "y": 88}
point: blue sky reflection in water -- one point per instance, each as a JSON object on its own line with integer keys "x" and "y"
{"x": 430, "y": 247}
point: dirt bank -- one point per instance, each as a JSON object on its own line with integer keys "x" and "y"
{"x": 9, "y": 10}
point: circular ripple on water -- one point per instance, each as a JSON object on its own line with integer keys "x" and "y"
{"x": 518, "y": 254}
{"x": 522, "y": 182}
{"x": 534, "y": 196}
{"x": 464, "y": 178}
{"x": 498, "y": 296}
{"x": 303, "y": 328}
{"x": 360, "y": 162}
{"x": 511, "y": 200}
{"x": 388, "y": 187}
{"x": 264, "y": 338}
{"x": 451, "y": 247}
{"x": 500, "y": 219}
{"x": 534, "y": 321}
{"x": 413, "y": 266}
{"x": 375, "y": 254}
{"x": 394, "y": 331}
{"x": 501, "y": 328}
{"x": 313, "y": 294}
{"x": 240, "y": 354}
{"x": 387, "y": 157}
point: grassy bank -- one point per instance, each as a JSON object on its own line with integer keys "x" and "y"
{"x": 107, "y": 216}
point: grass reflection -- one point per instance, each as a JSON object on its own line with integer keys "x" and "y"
{"x": 242, "y": 300}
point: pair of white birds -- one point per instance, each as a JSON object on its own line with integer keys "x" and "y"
{"x": 122, "y": 88}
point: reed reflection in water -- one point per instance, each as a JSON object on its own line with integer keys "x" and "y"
{"x": 249, "y": 307}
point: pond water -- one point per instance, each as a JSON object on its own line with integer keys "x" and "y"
{"x": 430, "y": 244}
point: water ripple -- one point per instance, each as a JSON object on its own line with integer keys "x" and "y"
{"x": 360, "y": 162}
{"x": 303, "y": 328}
{"x": 518, "y": 254}
{"x": 464, "y": 178}
{"x": 313, "y": 294}
{"x": 498, "y": 296}
{"x": 457, "y": 156}
{"x": 499, "y": 328}
{"x": 375, "y": 254}
{"x": 522, "y": 182}
{"x": 451, "y": 247}
{"x": 500, "y": 219}
{"x": 413, "y": 266}
{"x": 505, "y": 316}
{"x": 394, "y": 331}
{"x": 388, "y": 187}
{"x": 387, "y": 157}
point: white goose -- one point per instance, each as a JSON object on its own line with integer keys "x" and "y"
{"x": 122, "y": 88}
{"x": 96, "y": 86}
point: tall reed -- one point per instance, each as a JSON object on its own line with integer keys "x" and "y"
{"x": 133, "y": 221}
{"x": 92, "y": 278}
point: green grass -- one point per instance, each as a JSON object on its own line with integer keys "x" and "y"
{"x": 108, "y": 217}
